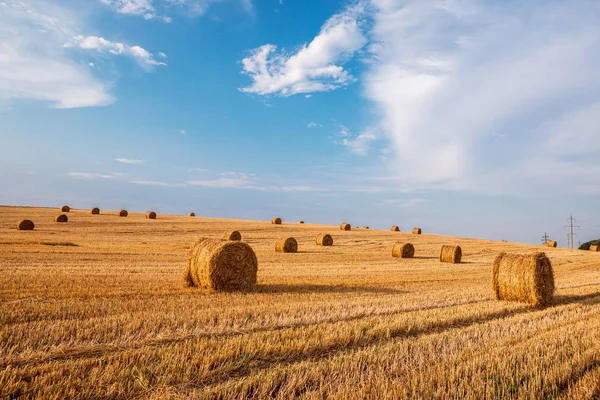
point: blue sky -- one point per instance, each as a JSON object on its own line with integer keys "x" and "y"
{"x": 467, "y": 118}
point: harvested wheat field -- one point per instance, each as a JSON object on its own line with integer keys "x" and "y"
{"x": 97, "y": 308}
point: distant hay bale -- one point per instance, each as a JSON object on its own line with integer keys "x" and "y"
{"x": 395, "y": 228}
{"x": 504, "y": 241}
{"x": 451, "y": 254}
{"x": 232, "y": 235}
{"x": 365, "y": 227}
{"x": 25, "y": 225}
{"x": 221, "y": 266}
{"x": 61, "y": 218}
{"x": 192, "y": 214}
{"x": 286, "y": 245}
{"x": 65, "y": 208}
{"x": 95, "y": 211}
{"x": 526, "y": 278}
{"x": 416, "y": 231}
{"x": 345, "y": 226}
{"x": 594, "y": 248}
{"x": 276, "y": 221}
{"x": 300, "y": 222}
{"x": 151, "y": 215}
{"x": 122, "y": 213}
{"x": 403, "y": 250}
{"x": 324, "y": 239}
{"x": 551, "y": 243}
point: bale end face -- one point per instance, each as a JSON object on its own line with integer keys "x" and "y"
{"x": 122, "y": 213}
{"x": 551, "y": 243}
{"x": 61, "y": 218}
{"x": 324, "y": 239}
{"x": 395, "y": 228}
{"x": 276, "y": 221}
{"x": 25, "y": 225}
{"x": 151, "y": 215}
{"x": 192, "y": 214}
{"x": 65, "y": 208}
{"x": 594, "y": 248}
{"x": 286, "y": 245}
{"x": 451, "y": 254}
{"x": 221, "y": 266}
{"x": 345, "y": 226}
{"x": 403, "y": 250}
{"x": 95, "y": 211}
{"x": 526, "y": 278}
{"x": 233, "y": 235}
{"x": 416, "y": 231}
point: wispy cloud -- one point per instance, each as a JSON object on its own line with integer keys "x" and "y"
{"x": 313, "y": 125}
{"x": 198, "y": 170}
{"x": 406, "y": 203}
{"x": 359, "y": 145}
{"x": 130, "y": 161}
{"x": 312, "y": 68}
{"x": 141, "y": 55}
{"x": 235, "y": 180}
{"x": 92, "y": 176}
{"x": 154, "y": 183}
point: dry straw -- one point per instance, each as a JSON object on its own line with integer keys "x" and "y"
{"x": 324, "y": 239}
{"x": 25, "y": 225}
{"x": 551, "y": 243}
{"x": 61, "y": 218}
{"x": 526, "y": 278}
{"x": 122, "y": 213}
{"x": 395, "y": 228}
{"x": 286, "y": 245}
{"x": 65, "y": 208}
{"x": 416, "y": 231}
{"x": 345, "y": 226}
{"x": 221, "y": 266}
{"x": 594, "y": 248}
{"x": 451, "y": 254}
{"x": 403, "y": 250}
{"x": 300, "y": 222}
{"x": 95, "y": 211}
{"x": 276, "y": 221}
{"x": 232, "y": 235}
{"x": 151, "y": 215}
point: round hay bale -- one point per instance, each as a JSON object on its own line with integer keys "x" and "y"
{"x": 365, "y": 227}
{"x": 403, "y": 250}
{"x": 95, "y": 211}
{"x": 526, "y": 278}
{"x": 61, "y": 218}
{"x": 300, "y": 222}
{"x": 192, "y": 214}
{"x": 122, "y": 213}
{"x": 416, "y": 231}
{"x": 232, "y": 235}
{"x": 221, "y": 266}
{"x": 594, "y": 248}
{"x": 324, "y": 239}
{"x": 276, "y": 221}
{"x": 345, "y": 226}
{"x": 286, "y": 245}
{"x": 25, "y": 225}
{"x": 65, "y": 208}
{"x": 551, "y": 243}
{"x": 395, "y": 228}
{"x": 151, "y": 215}
{"x": 451, "y": 254}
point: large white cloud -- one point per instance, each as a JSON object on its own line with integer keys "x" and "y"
{"x": 141, "y": 55}
{"x": 313, "y": 68}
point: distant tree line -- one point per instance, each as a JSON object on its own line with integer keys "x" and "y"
{"x": 586, "y": 245}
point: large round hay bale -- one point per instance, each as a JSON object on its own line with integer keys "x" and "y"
{"x": 403, "y": 250}
{"x": 551, "y": 243}
{"x": 594, "y": 248}
{"x": 232, "y": 235}
{"x": 25, "y": 225}
{"x": 122, "y": 213}
{"x": 61, "y": 218}
{"x": 151, "y": 215}
{"x": 95, "y": 211}
{"x": 221, "y": 265}
{"x": 276, "y": 221}
{"x": 345, "y": 226}
{"x": 192, "y": 214}
{"x": 451, "y": 254}
{"x": 65, "y": 208}
{"x": 395, "y": 228}
{"x": 286, "y": 245}
{"x": 365, "y": 227}
{"x": 324, "y": 239}
{"x": 526, "y": 278}
{"x": 301, "y": 222}
{"x": 416, "y": 231}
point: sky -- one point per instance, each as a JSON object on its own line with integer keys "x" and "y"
{"x": 470, "y": 118}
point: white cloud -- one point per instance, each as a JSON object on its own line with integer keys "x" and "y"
{"x": 91, "y": 176}
{"x": 234, "y": 180}
{"x": 449, "y": 77}
{"x": 190, "y": 170}
{"x": 313, "y": 67}
{"x": 359, "y": 145}
{"x": 154, "y": 183}
{"x": 158, "y": 9}
{"x": 313, "y": 125}
{"x": 406, "y": 203}
{"x": 182, "y": 132}
{"x": 33, "y": 63}
{"x": 141, "y": 55}
{"x": 130, "y": 161}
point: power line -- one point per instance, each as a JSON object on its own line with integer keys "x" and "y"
{"x": 570, "y": 234}
{"x": 545, "y": 238}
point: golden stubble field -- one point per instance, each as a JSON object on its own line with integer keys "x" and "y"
{"x": 96, "y": 308}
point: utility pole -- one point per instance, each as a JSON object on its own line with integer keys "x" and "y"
{"x": 571, "y": 234}
{"x": 545, "y": 238}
